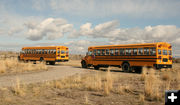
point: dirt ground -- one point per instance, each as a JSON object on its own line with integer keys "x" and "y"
{"x": 76, "y": 86}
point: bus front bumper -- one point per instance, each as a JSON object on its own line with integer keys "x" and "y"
{"x": 159, "y": 66}
{"x": 62, "y": 60}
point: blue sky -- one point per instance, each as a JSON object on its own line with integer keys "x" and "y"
{"x": 82, "y": 23}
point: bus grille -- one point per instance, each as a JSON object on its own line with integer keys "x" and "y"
{"x": 62, "y": 56}
{"x": 165, "y": 60}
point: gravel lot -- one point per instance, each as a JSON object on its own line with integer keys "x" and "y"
{"x": 54, "y": 73}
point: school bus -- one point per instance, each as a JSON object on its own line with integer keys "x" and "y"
{"x": 50, "y": 54}
{"x": 129, "y": 56}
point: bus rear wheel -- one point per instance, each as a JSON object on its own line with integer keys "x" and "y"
{"x": 41, "y": 59}
{"x": 138, "y": 69}
{"x": 96, "y": 67}
{"x": 126, "y": 67}
{"x": 52, "y": 62}
{"x": 83, "y": 64}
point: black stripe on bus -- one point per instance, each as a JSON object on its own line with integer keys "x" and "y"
{"x": 126, "y": 60}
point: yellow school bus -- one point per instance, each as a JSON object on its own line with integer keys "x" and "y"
{"x": 129, "y": 56}
{"x": 50, "y": 54}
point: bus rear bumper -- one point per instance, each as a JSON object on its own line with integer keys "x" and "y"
{"x": 159, "y": 66}
{"x": 62, "y": 60}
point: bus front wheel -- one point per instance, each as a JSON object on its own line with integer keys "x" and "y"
{"x": 126, "y": 67}
{"x": 83, "y": 64}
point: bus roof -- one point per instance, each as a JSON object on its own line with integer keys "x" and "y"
{"x": 36, "y": 47}
{"x": 127, "y": 45}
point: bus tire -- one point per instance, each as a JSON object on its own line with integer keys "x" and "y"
{"x": 96, "y": 67}
{"x": 34, "y": 62}
{"x": 126, "y": 67}
{"x": 138, "y": 69}
{"x": 41, "y": 59}
{"x": 83, "y": 64}
{"x": 19, "y": 58}
{"x": 52, "y": 62}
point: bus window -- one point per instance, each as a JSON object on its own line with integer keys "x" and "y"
{"x": 45, "y": 51}
{"x": 122, "y": 51}
{"x": 134, "y": 51}
{"x": 55, "y": 51}
{"x": 90, "y": 53}
{"x": 128, "y": 51}
{"x": 51, "y": 51}
{"x": 164, "y": 52}
{"x": 145, "y": 51}
{"x": 169, "y": 52}
{"x": 58, "y": 52}
{"x": 107, "y": 51}
{"x": 140, "y": 51}
{"x": 159, "y": 51}
{"x": 153, "y": 51}
{"x": 42, "y": 51}
{"x": 39, "y": 51}
{"x": 116, "y": 52}
{"x": 103, "y": 52}
{"x": 62, "y": 51}
{"x": 94, "y": 51}
{"x": 111, "y": 51}
{"x": 34, "y": 51}
{"x": 98, "y": 52}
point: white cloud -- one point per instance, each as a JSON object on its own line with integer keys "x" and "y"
{"x": 111, "y": 31}
{"x": 99, "y": 30}
{"x": 51, "y": 28}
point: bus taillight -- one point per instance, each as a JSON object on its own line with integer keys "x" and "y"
{"x": 159, "y": 57}
{"x": 159, "y": 45}
{"x": 170, "y": 58}
{"x": 169, "y": 47}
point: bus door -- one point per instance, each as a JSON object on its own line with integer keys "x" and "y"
{"x": 89, "y": 57}
{"x": 63, "y": 53}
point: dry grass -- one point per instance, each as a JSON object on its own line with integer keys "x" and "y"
{"x": 13, "y": 66}
{"x": 18, "y": 88}
{"x": 75, "y": 63}
{"x": 86, "y": 100}
{"x": 141, "y": 99}
{"x": 166, "y": 76}
{"x": 2, "y": 67}
{"x": 121, "y": 89}
{"x": 152, "y": 85}
{"x": 143, "y": 74}
{"x": 102, "y": 82}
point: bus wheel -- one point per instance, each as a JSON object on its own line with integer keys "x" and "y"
{"x": 41, "y": 59}
{"x": 19, "y": 58}
{"x": 138, "y": 69}
{"x": 126, "y": 67}
{"x": 34, "y": 62}
{"x": 52, "y": 62}
{"x": 96, "y": 67}
{"x": 83, "y": 64}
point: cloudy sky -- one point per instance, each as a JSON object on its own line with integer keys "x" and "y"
{"x": 82, "y": 23}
